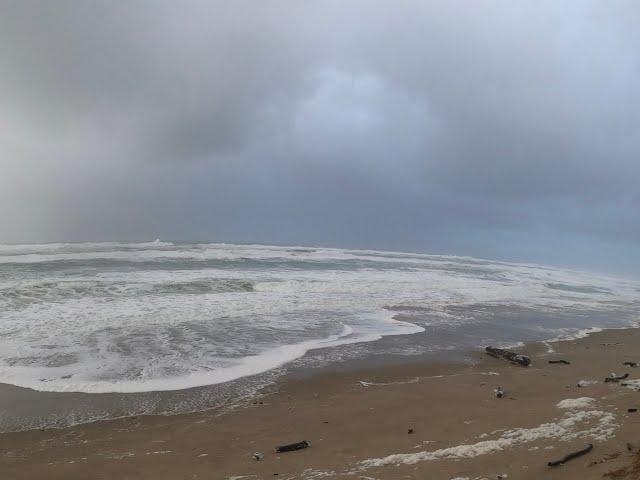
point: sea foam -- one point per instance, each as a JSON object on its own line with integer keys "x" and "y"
{"x": 595, "y": 424}
{"x": 135, "y": 317}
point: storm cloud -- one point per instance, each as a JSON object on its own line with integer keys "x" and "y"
{"x": 490, "y": 128}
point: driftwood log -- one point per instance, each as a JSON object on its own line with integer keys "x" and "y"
{"x": 508, "y": 355}
{"x": 616, "y": 378}
{"x": 564, "y": 362}
{"x": 293, "y": 446}
{"x": 571, "y": 456}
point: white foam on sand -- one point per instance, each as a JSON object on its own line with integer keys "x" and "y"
{"x": 596, "y": 424}
{"x": 633, "y": 384}
{"x": 550, "y": 349}
{"x": 574, "y": 335}
{"x": 586, "y": 383}
{"x": 312, "y": 474}
{"x": 576, "y": 403}
{"x": 365, "y": 384}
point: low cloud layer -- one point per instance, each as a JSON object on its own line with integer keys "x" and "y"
{"x": 495, "y": 128}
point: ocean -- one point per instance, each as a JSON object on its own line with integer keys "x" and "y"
{"x": 103, "y": 329}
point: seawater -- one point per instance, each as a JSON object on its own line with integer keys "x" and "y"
{"x": 125, "y": 318}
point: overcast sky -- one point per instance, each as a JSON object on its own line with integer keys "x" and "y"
{"x": 504, "y": 129}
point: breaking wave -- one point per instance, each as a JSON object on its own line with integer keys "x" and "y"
{"x": 138, "y": 317}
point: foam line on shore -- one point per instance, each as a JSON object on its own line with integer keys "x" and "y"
{"x": 247, "y": 366}
{"x": 564, "y": 429}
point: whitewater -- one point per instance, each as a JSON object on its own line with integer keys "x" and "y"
{"x": 159, "y": 316}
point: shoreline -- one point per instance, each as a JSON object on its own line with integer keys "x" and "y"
{"x": 338, "y": 413}
{"x": 100, "y": 407}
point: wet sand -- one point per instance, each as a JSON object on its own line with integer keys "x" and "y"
{"x": 356, "y": 420}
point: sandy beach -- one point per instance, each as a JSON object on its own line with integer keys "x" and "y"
{"x": 315, "y": 240}
{"x": 359, "y": 424}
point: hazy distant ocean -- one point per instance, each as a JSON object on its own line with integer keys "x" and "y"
{"x": 113, "y": 319}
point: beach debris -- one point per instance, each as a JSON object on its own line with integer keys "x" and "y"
{"x": 508, "y": 355}
{"x": 501, "y": 476}
{"x": 571, "y": 456}
{"x": 499, "y": 392}
{"x": 632, "y": 410}
{"x": 630, "y": 364}
{"x": 258, "y": 456}
{"x": 563, "y": 362}
{"x": 293, "y": 446}
{"x": 615, "y": 378}
{"x": 410, "y": 431}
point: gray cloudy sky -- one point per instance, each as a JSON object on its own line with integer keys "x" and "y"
{"x": 505, "y": 129}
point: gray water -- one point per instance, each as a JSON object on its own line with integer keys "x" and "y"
{"x": 107, "y": 329}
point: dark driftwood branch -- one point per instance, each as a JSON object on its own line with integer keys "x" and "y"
{"x": 564, "y": 362}
{"x": 507, "y": 355}
{"x": 293, "y": 446}
{"x": 616, "y": 378}
{"x": 571, "y": 456}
